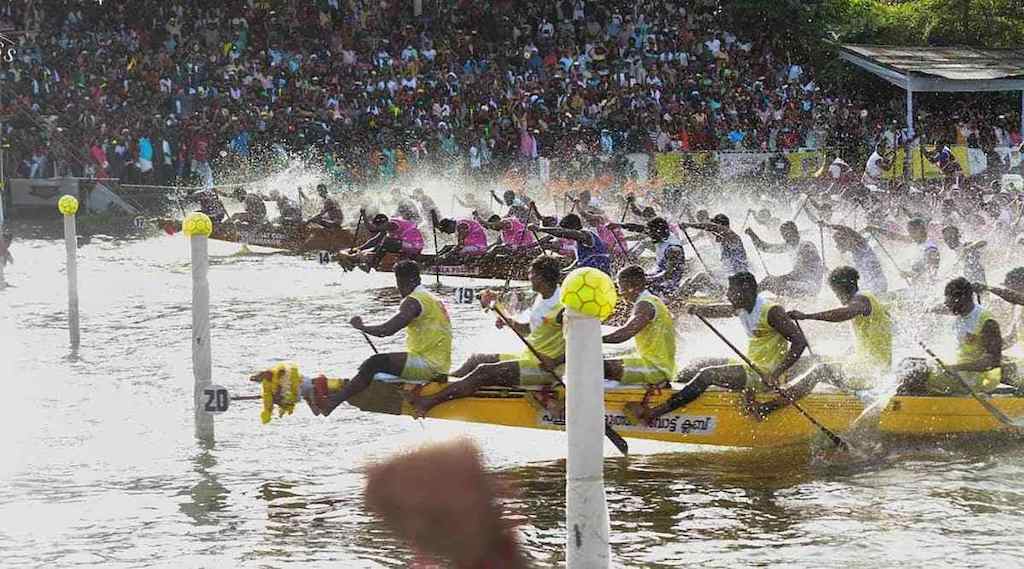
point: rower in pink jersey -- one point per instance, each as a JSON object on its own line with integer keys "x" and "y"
{"x": 612, "y": 237}
{"x": 408, "y": 234}
{"x": 470, "y": 239}
{"x": 398, "y": 236}
{"x": 516, "y": 240}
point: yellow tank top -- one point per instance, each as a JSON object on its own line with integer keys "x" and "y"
{"x": 873, "y": 336}
{"x": 547, "y": 338}
{"x": 971, "y": 348}
{"x": 429, "y": 335}
{"x": 656, "y": 343}
{"x": 767, "y": 347}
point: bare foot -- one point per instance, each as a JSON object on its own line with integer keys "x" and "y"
{"x": 637, "y": 413}
{"x": 420, "y": 407}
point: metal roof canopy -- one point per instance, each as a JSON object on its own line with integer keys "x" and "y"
{"x": 947, "y": 69}
{"x": 941, "y": 69}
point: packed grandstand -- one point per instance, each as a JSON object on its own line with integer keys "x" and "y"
{"x": 161, "y": 92}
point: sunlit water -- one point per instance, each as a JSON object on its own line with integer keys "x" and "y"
{"x": 100, "y": 468}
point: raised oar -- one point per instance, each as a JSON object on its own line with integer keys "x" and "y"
{"x": 695, "y": 251}
{"x": 609, "y": 432}
{"x": 892, "y": 260}
{"x": 797, "y": 214}
{"x": 433, "y": 229}
{"x": 995, "y": 411}
{"x": 836, "y": 440}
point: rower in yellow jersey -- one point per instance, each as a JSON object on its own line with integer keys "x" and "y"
{"x": 1012, "y": 291}
{"x": 428, "y": 343}
{"x": 979, "y": 348}
{"x": 523, "y": 368}
{"x": 872, "y": 334}
{"x": 652, "y": 327}
{"x": 775, "y": 346}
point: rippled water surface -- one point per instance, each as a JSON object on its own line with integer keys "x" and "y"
{"x": 100, "y": 468}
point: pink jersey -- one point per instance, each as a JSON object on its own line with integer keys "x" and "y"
{"x": 613, "y": 239}
{"x": 475, "y": 242}
{"x": 408, "y": 234}
{"x": 514, "y": 233}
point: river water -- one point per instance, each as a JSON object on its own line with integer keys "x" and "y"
{"x": 99, "y": 466}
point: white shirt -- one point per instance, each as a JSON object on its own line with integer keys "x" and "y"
{"x": 873, "y": 169}
{"x": 541, "y": 307}
{"x": 750, "y": 319}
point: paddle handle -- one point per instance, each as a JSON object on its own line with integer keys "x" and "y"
{"x": 695, "y": 251}
{"x": 369, "y": 341}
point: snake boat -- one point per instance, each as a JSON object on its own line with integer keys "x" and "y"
{"x": 713, "y": 419}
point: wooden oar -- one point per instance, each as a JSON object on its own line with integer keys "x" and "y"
{"x": 995, "y": 411}
{"x": 761, "y": 257}
{"x": 891, "y": 259}
{"x": 609, "y": 432}
{"x": 433, "y": 228}
{"x": 821, "y": 235}
{"x": 695, "y": 251}
{"x": 369, "y": 341}
{"x": 836, "y": 440}
{"x": 797, "y": 214}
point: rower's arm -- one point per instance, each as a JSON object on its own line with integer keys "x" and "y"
{"x": 858, "y": 306}
{"x": 407, "y": 312}
{"x": 765, "y": 246}
{"x": 495, "y": 226}
{"x": 992, "y": 341}
{"x": 563, "y": 233}
{"x": 783, "y": 324}
{"x": 634, "y": 227}
{"x": 643, "y": 313}
{"x": 709, "y": 227}
{"x": 890, "y": 235}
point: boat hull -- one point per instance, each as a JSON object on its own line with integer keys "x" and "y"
{"x": 300, "y": 239}
{"x": 714, "y": 418}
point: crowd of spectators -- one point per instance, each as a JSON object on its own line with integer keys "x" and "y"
{"x": 158, "y": 90}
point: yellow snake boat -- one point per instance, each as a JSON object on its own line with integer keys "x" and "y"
{"x": 713, "y": 419}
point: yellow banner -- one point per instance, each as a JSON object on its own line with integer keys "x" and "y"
{"x": 667, "y": 167}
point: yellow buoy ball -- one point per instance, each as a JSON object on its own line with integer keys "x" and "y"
{"x": 197, "y": 223}
{"x": 67, "y": 205}
{"x": 591, "y": 292}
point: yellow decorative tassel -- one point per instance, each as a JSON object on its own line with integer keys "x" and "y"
{"x": 271, "y": 387}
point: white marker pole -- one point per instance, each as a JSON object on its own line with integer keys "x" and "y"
{"x": 586, "y": 510}
{"x": 68, "y": 206}
{"x": 198, "y": 227}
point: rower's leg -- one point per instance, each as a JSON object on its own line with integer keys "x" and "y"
{"x": 392, "y": 363}
{"x": 798, "y": 389}
{"x": 502, "y": 374}
{"x": 474, "y": 361}
{"x": 731, "y": 376}
{"x": 689, "y": 372}
{"x": 613, "y": 370}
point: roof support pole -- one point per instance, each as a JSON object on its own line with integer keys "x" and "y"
{"x": 1022, "y": 113}
{"x": 910, "y": 112}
